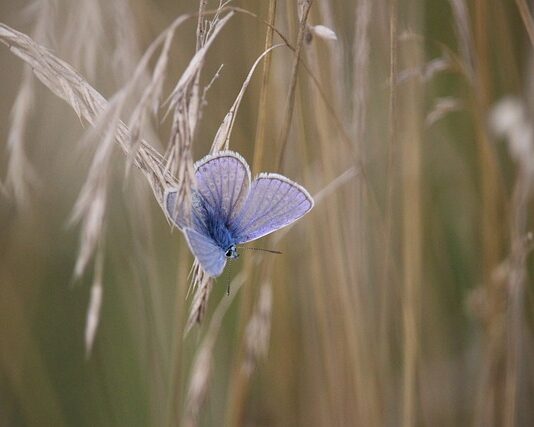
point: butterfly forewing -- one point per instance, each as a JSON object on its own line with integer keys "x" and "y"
{"x": 274, "y": 201}
{"x": 223, "y": 182}
{"x": 210, "y": 256}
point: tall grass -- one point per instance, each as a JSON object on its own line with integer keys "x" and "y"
{"x": 403, "y": 299}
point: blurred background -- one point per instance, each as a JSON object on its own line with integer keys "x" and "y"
{"x": 403, "y": 299}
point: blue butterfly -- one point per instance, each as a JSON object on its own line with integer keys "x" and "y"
{"x": 228, "y": 210}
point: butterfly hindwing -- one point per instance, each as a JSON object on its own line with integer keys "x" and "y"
{"x": 174, "y": 212}
{"x": 274, "y": 202}
{"x": 210, "y": 256}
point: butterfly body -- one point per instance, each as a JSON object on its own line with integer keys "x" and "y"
{"x": 209, "y": 222}
{"x": 228, "y": 209}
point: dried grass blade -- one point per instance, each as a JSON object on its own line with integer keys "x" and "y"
{"x": 20, "y": 176}
{"x": 190, "y": 72}
{"x": 222, "y": 138}
{"x": 91, "y": 204}
{"x": 465, "y": 38}
{"x": 442, "y": 107}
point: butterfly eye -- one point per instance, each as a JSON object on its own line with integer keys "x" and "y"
{"x": 231, "y": 252}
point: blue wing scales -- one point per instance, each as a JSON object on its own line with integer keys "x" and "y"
{"x": 274, "y": 202}
{"x": 210, "y": 256}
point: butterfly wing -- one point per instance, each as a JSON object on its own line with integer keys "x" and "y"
{"x": 222, "y": 185}
{"x": 173, "y": 210}
{"x": 210, "y": 256}
{"x": 223, "y": 182}
{"x": 274, "y": 202}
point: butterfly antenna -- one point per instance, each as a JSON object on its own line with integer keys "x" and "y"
{"x": 261, "y": 249}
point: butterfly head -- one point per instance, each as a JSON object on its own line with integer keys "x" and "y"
{"x": 231, "y": 252}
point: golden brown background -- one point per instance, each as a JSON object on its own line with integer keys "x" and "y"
{"x": 403, "y": 299}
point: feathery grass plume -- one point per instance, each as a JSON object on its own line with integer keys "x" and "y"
{"x": 87, "y": 103}
{"x": 95, "y": 304}
{"x": 442, "y": 107}
{"x": 150, "y": 98}
{"x": 83, "y": 36}
{"x": 127, "y": 50}
{"x": 448, "y": 62}
{"x": 20, "y": 176}
{"x": 90, "y": 206}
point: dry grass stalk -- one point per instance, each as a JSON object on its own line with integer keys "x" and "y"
{"x": 261, "y": 124}
{"x": 509, "y": 119}
{"x": 491, "y": 224}
{"x": 304, "y": 7}
{"x": 202, "y": 368}
{"x": 361, "y": 67}
{"x": 410, "y": 127}
{"x": 526, "y": 16}
{"x": 391, "y": 179}
{"x": 222, "y": 138}
{"x": 464, "y": 36}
